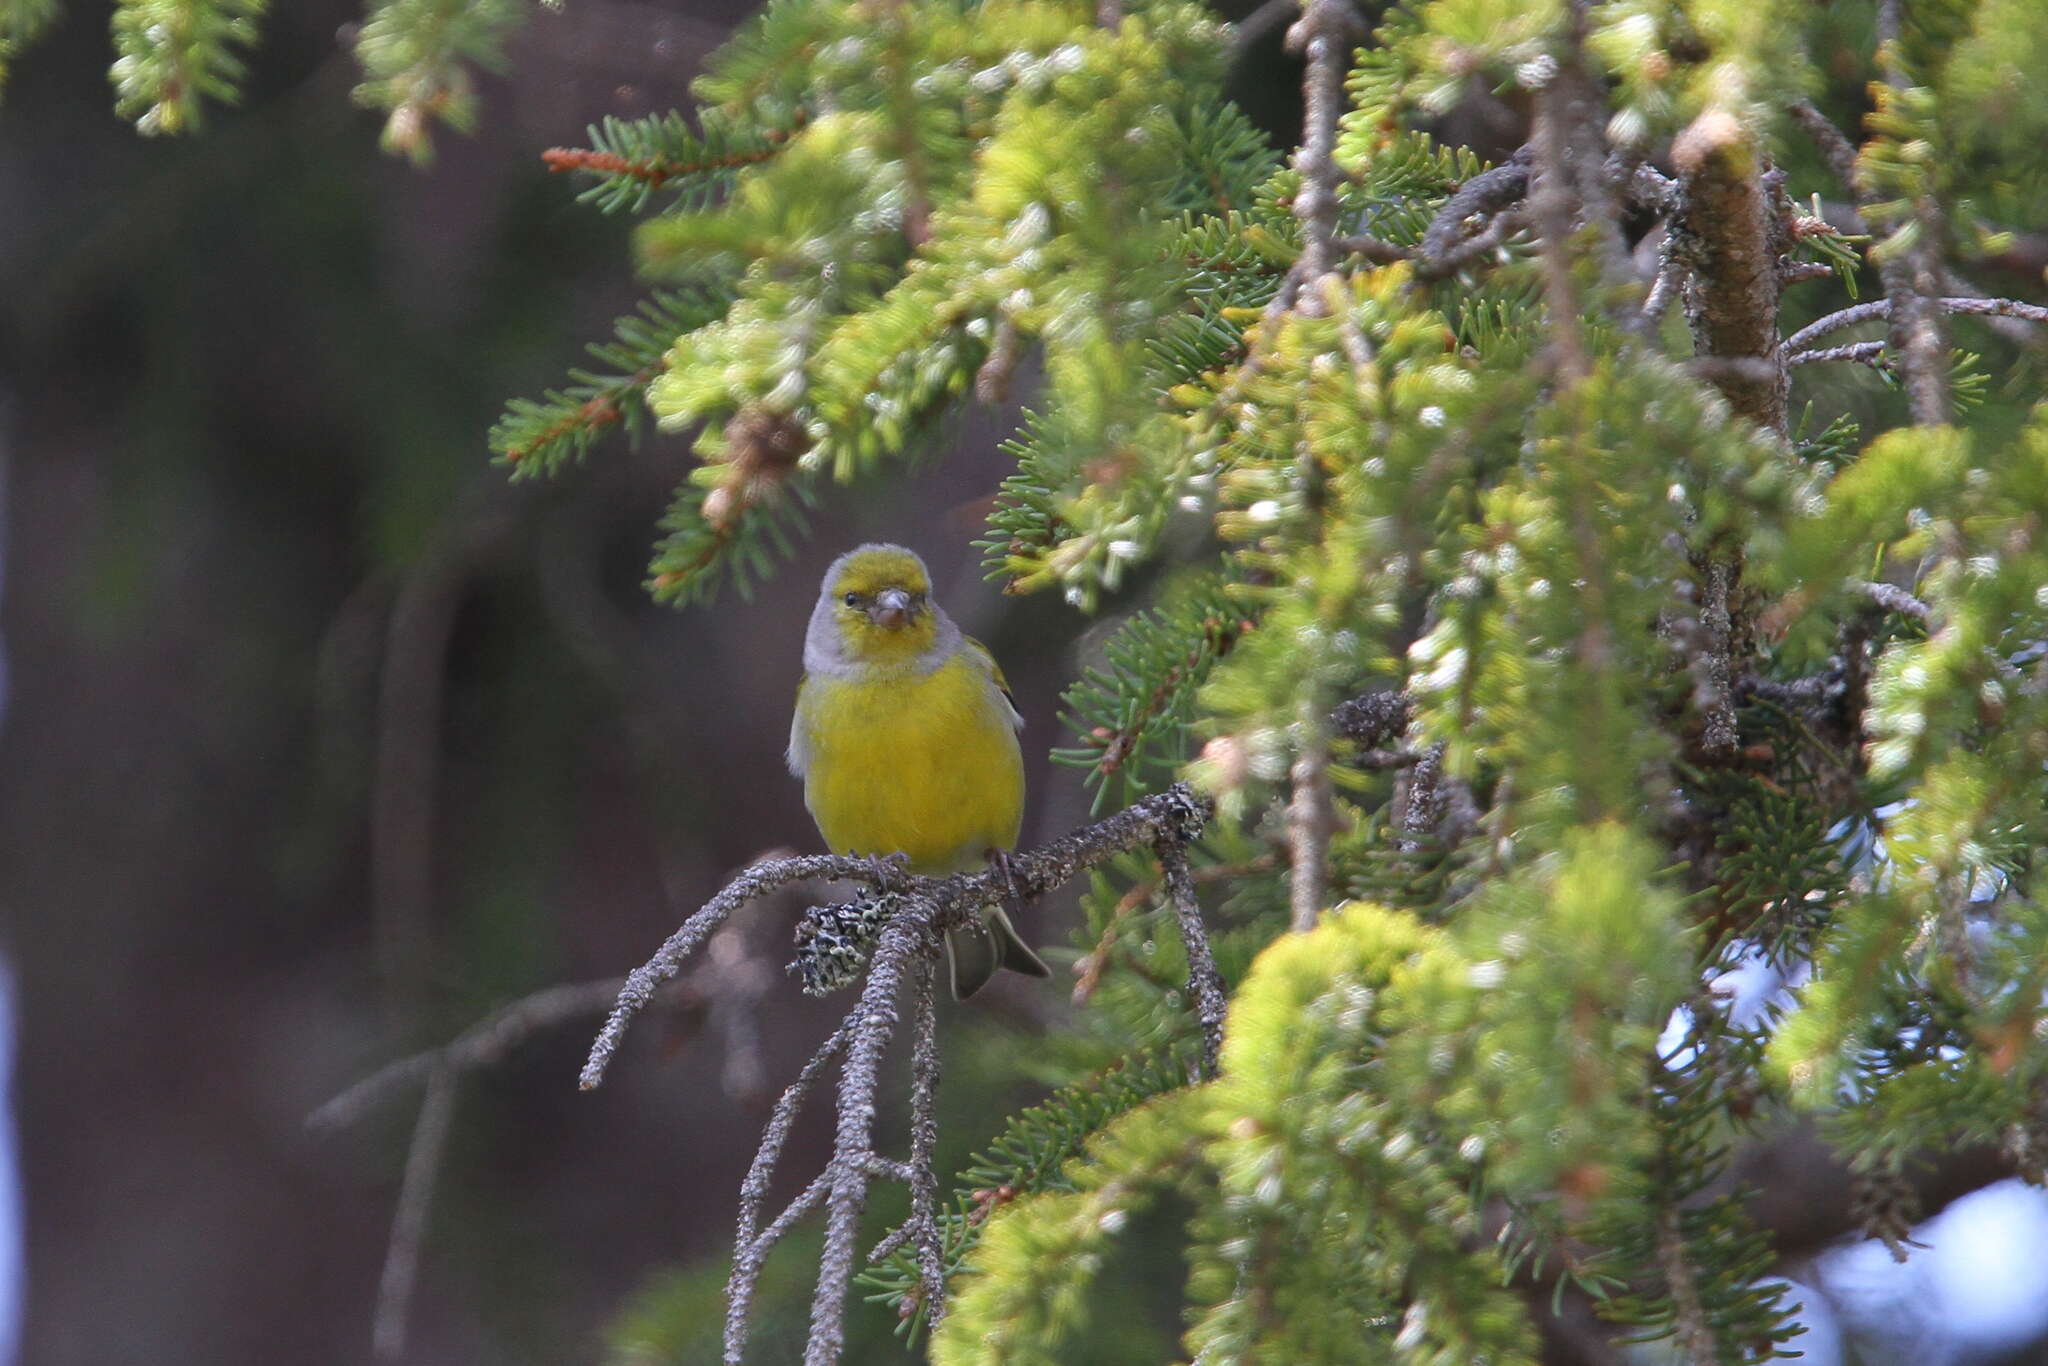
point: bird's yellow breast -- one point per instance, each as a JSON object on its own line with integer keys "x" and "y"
{"x": 926, "y": 766}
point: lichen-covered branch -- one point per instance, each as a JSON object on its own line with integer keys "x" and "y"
{"x": 919, "y": 910}
{"x": 1205, "y": 984}
{"x": 1882, "y": 310}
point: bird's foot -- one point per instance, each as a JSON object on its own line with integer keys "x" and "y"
{"x": 1004, "y": 867}
{"x": 888, "y": 870}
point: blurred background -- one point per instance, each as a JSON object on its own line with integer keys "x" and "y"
{"x": 322, "y": 740}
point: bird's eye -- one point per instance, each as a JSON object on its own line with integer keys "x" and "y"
{"x": 853, "y": 599}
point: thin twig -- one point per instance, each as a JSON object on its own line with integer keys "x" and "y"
{"x": 405, "y": 794}
{"x": 1834, "y": 145}
{"x": 1487, "y": 197}
{"x": 1912, "y": 274}
{"x": 906, "y": 951}
{"x": 1896, "y": 599}
{"x": 645, "y": 980}
{"x": 409, "y": 1222}
{"x": 912, "y": 933}
{"x": 1310, "y": 818}
{"x": 1669, "y": 273}
{"x": 1550, "y": 208}
{"x": 481, "y": 1045}
{"x": 1205, "y": 984}
{"x": 1864, "y": 353}
{"x": 1323, "y": 36}
{"x": 751, "y": 1244}
{"x": 1880, "y": 309}
{"x": 924, "y": 1140}
{"x": 1372, "y": 249}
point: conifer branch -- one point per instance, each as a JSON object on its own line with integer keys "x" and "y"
{"x": 917, "y": 912}
{"x": 174, "y": 54}
{"x": 1833, "y": 144}
{"x": 1205, "y": 984}
{"x": 1911, "y": 271}
{"x": 1451, "y": 239}
{"x": 1694, "y": 1336}
{"x": 1863, "y": 353}
{"x": 1323, "y": 36}
{"x": 1883, "y": 309}
{"x": 1311, "y": 819}
{"x": 416, "y": 56}
{"x": 1731, "y": 295}
{"x": 634, "y": 158}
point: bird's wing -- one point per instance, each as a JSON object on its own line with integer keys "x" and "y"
{"x": 799, "y": 754}
{"x": 978, "y": 652}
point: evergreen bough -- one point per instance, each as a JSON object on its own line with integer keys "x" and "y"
{"x": 1538, "y": 666}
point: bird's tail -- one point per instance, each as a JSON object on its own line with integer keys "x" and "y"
{"x": 979, "y": 949}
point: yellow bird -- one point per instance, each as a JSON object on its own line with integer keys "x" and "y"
{"x": 906, "y": 740}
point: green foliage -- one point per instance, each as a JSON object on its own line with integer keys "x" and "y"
{"x": 1030, "y": 1156}
{"x": 634, "y": 159}
{"x": 537, "y": 436}
{"x": 416, "y": 56}
{"x": 1132, "y": 712}
{"x": 1653, "y": 717}
{"x": 170, "y": 55}
{"x": 21, "y": 23}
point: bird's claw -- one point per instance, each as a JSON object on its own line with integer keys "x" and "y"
{"x": 888, "y": 869}
{"x": 1004, "y": 867}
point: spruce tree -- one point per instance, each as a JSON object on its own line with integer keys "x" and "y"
{"x": 1572, "y": 568}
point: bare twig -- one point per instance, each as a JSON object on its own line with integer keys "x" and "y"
{"x": 1835, "y": 147}
{"x": 1896, "y": 599}
{"x": 1912, "y": 274}
{"x": 1205, "y": 985}
{"x": 481, "y": 1045}
{"x": 1452, "y": 235}
{"x": 1372, "y": 249}
{"x": 1881, "y": 309}
{"x": 909, "y": 937}
{"x": 409, "y": 1223}
{"x": 1310, "y": 818}
{"x": 1550, "y": 208}
{"x": 923, "y": 907}
{"x": 924, "y": 1139}
{"x": 1670, "y": 273}
{"x": 750, "y": 1246}
{"x": 1323, "y": 36}
{"x": 1717, "y": 701}
{"x": 644, "y": 980}
{"x": 406, "y": 793}
{"x": 1864, "y": 353}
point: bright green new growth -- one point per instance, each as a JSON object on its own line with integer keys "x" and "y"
{"x": 1539, "y": 666}
{"x": 174, "y": 54}
{"x": 1486, "y": 624}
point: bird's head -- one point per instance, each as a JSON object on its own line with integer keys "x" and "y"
{"x": 878, "y": 599}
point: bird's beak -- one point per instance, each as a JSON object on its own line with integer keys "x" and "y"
{"x": 892, "y": 608}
